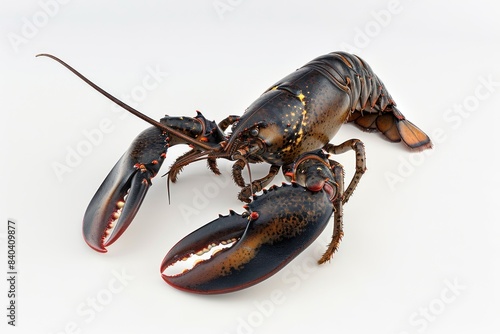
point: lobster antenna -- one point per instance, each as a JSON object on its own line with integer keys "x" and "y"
{"x": 129, "y": 108}
{"x": 250, "y": 178}
{"x": 168, "y": 189}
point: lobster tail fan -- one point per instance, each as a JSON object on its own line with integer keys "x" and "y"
{"x": 394, "y": 127}
{"x": 412, "y": 136}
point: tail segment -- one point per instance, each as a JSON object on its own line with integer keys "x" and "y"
{"x": 394, "y": 126}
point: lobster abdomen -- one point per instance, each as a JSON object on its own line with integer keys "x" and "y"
{"x": 371, "y": 106}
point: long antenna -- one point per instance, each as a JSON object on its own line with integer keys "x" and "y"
{"x": 251, "y": 181}
{"x": 129, "y": 108}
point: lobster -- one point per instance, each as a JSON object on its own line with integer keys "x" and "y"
{"x": 290, "y": 127}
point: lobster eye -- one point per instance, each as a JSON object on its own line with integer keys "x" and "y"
{"x": 254, "y": 132}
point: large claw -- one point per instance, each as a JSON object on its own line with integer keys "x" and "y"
{"x": 119, "y": 197}
{"x": 265, "y": 240}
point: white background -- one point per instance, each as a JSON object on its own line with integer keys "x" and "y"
{"x": 420, "y": 254}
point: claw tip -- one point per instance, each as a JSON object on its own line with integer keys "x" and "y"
{"x": 98, "y": 248}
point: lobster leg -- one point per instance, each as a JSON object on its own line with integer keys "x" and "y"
{"x": 229, "y": 120}
{"x": 358, "y": 147}
{"x": 236, "y": 172}
{"x": 338, "y": 230}
{"x": 258, "y": 185}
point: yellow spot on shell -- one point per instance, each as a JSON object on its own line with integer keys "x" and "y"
{"x": 304, "y": 119}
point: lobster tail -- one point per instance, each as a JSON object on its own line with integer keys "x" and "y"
{"x": 372, "y": 107}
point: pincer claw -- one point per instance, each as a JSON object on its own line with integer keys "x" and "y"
{"x": 265, "y": 240}
{"x": 120, "y": 196}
